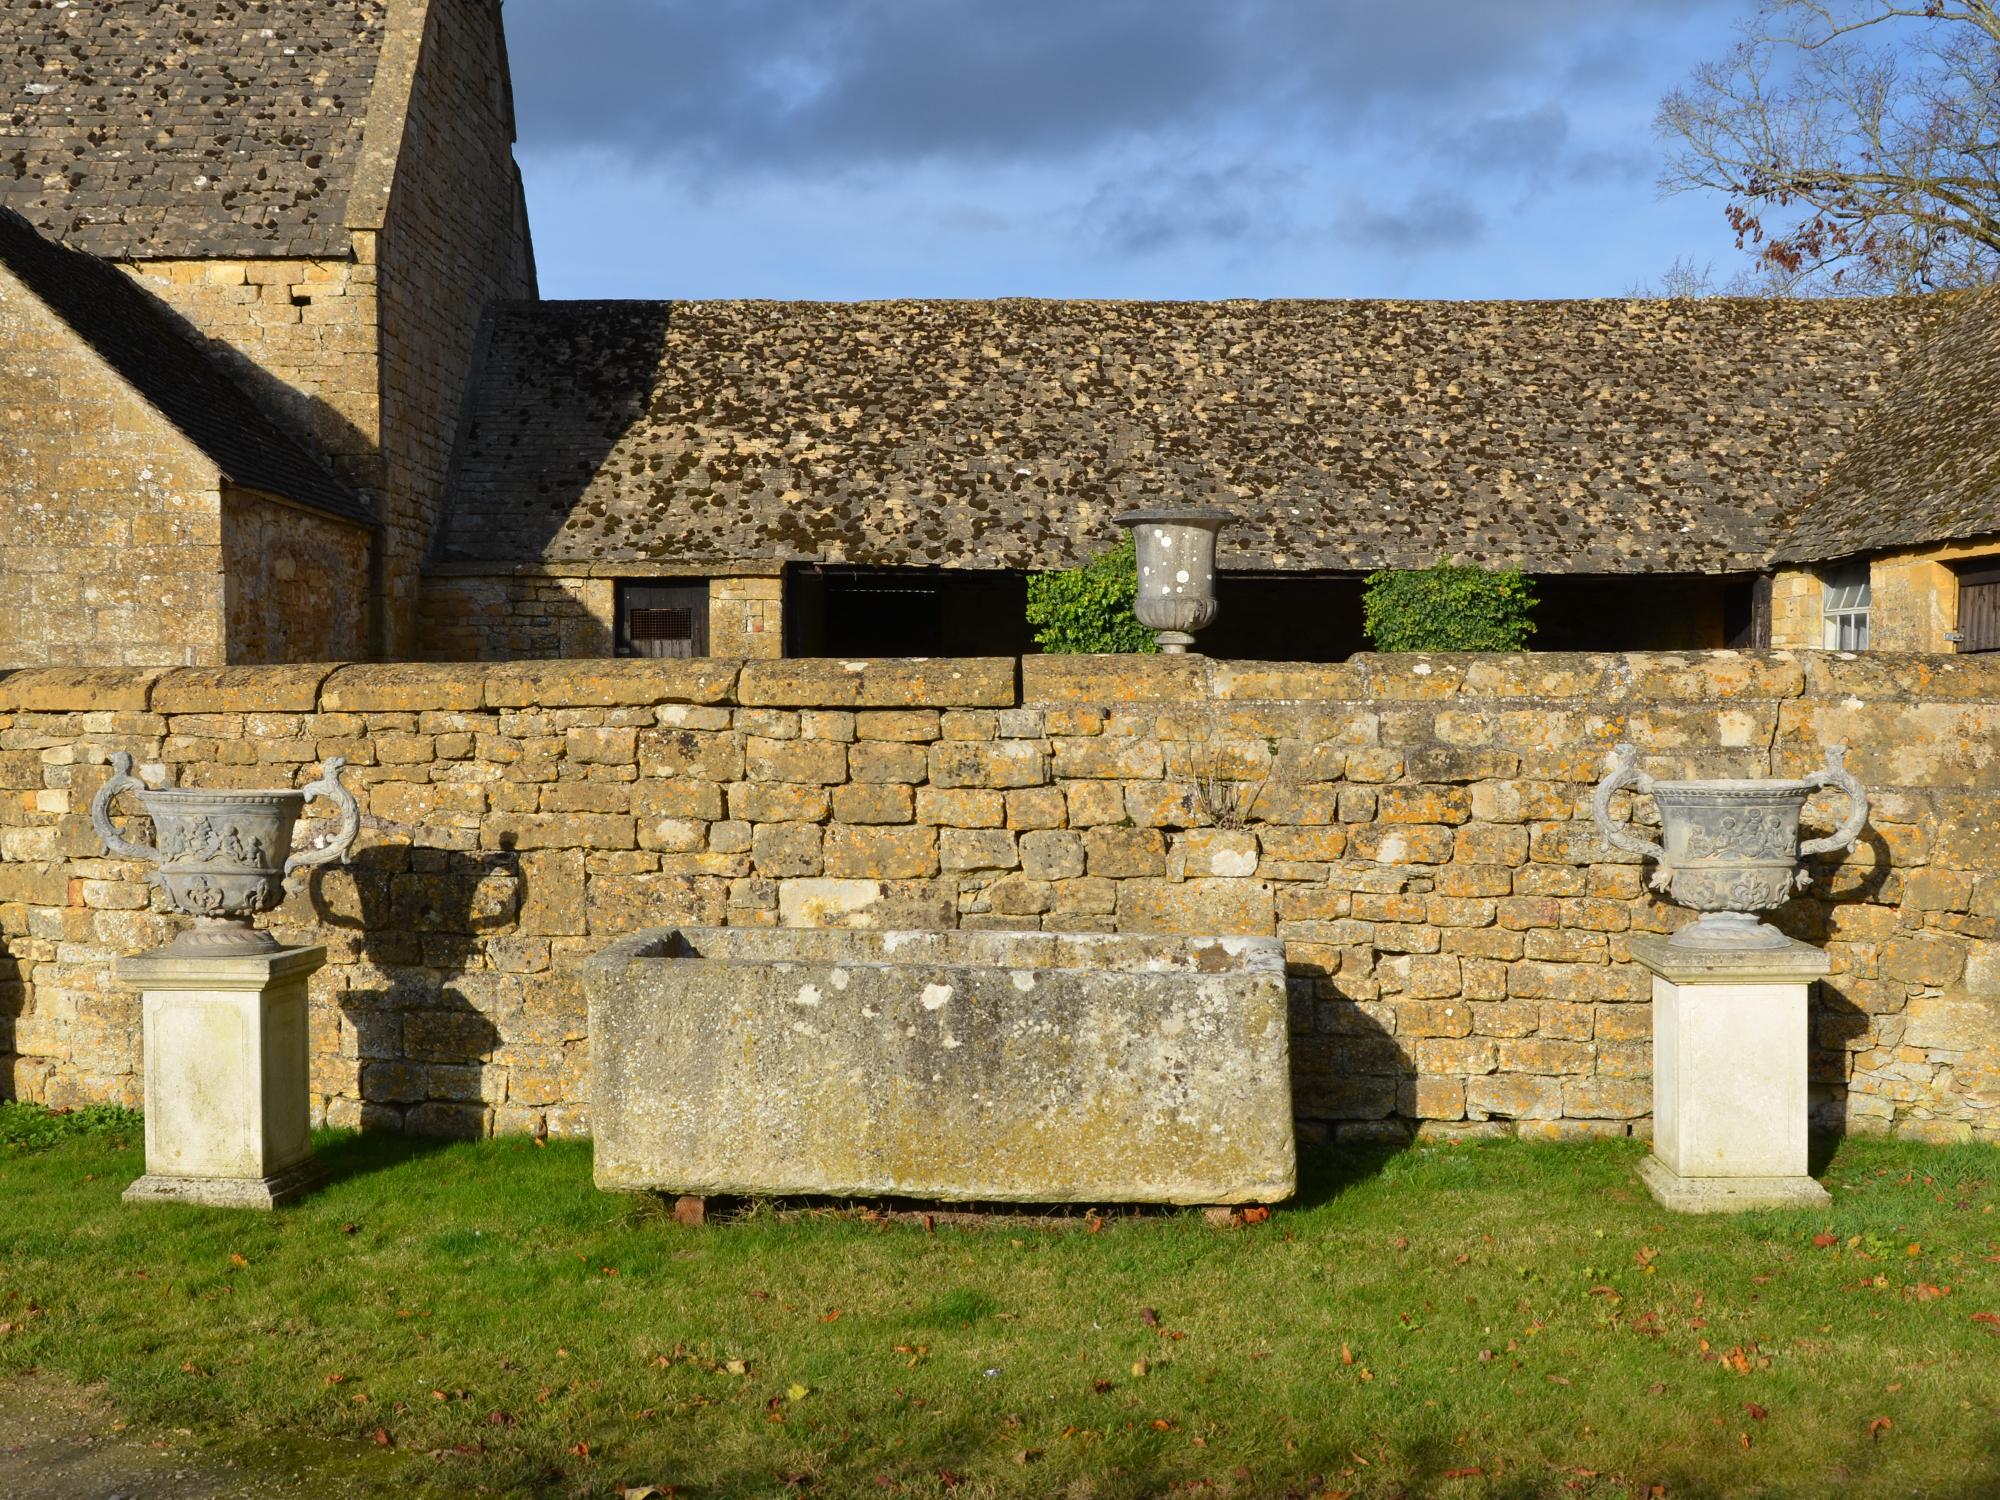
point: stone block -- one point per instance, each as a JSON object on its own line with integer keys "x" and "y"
{"x": 1212, "y": 851}
{"x": 958, "y": 807}
{"x": 881, "y": 853}
{"x": 804, "y": 762}
{"x": 888, "y": 761}
{"x": 1101, "y": 757}
{"x": 1953, "y": 1023}
{"x": 963, "y": 682}
{"x": 786, "y": 848}
{"x": 213, "y": 690}
{"x": 403, "y": 687}
{"x": 778, "y": 802}
{"x": 1125, "y": 852}
{"x": 1000, "y": 764}
{"x": 977, "y": 849}
{"x": 1606, "y": 1098}
{"x": 1224, "y": 907}
{"x": 1037, "y": 807}
{"x": 609, "y": 683}
{"x": 1052, "y": 854}
{"x": 689, "y": 753}
{"x": 1063, "y": 681}
{"x": 1509, "y": 1096}
{"x": 873, "y": 802}
{"x": 44, "y": 690}
{"x": 1011, "y": 1038}
{"x": 907, "y": 726}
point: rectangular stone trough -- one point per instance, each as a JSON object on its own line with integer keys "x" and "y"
{"x": 977, "y": 1066}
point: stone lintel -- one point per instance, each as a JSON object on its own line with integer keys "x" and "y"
{"x": 1722, "y": 1195}
{"x": 1795, "y": 963}
{"x": 255, "y": 971}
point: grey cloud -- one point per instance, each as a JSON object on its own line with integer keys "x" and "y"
{"x": 1428, "y": 222}
{"x": 1146, "y": 212}
{"x": 816, "y": 84}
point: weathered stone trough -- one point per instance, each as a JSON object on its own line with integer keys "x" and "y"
{"x": 982, "y": 1066}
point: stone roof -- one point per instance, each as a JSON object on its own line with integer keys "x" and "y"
{"x": 1597, "y": 436}
{"x": 140, "y": 338}
{"x": 186, "y": 128}
{"x": 1925, "y": 467}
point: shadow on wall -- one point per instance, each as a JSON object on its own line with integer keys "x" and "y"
{"x": 424, "y": 1037}
{"x": 1842, "y": 1005}
{"x": 563, "y": 383}
{"x": 13, "y": 1003}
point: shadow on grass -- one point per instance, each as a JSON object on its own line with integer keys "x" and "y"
{"x": 350, "y": 1154}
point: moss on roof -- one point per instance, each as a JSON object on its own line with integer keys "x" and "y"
{"x": 186, "y": 128}
{"x": 1925, "y": 466}
{"x": 1591, "y": 436}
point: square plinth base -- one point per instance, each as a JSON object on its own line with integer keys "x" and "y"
{"x": 227, "y": 1076}
{"x": 229, "y": 1192}
{"x": 1727, "y": 1195}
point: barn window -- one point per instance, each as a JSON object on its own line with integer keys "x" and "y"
{"x": 663, "y": 619}
{"x": 1979, "y": 605}
{"x": 1846, "y": 594}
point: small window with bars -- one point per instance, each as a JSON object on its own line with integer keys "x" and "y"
{"x": 663, "y": 619}
{"x": 1846, "y": 599}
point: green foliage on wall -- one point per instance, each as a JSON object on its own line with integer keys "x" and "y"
{"x": 1089, "y": 609}
{"x": 1446, "y": 607}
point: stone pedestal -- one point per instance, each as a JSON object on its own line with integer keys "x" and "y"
{"x": 1729, "y": 1076}
{"x": 226, "y": 1073}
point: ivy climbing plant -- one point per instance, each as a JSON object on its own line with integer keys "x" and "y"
{"x": 1448, "y": 607}
{"x": 1089, "y": 609}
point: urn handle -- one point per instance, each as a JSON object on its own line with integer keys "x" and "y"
{"x": 1624, "y": 772}
{"x": 1836, "y": 774}
{"x": 329, "y": 786}
{"x": 122, "y": 780}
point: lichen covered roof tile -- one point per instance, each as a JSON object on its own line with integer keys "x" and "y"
{"x": 1596, "y": 436}
{"x": 1925, "y": 466}
{"x": 186, "y": 128}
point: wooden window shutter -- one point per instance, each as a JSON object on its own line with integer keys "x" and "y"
{"x": 1979, "y": 607}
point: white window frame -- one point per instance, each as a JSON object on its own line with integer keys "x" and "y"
{"x": 1846, "y": 599}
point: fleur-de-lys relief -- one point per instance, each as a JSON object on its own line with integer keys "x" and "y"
{"x": 223, "y": 855}
{"x": 1729, "y": 849}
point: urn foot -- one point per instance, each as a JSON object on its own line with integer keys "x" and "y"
{"x": 1729, "y": 931}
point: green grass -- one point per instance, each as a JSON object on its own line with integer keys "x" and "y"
{"x": 1521, "y": 1312}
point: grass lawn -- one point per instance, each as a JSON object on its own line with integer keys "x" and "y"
{"x": 1497, "y": 1320}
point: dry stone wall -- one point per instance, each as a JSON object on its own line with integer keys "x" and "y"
{"x": 1416, "y": 829}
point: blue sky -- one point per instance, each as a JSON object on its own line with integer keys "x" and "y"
{"x": 1107, "y": 148}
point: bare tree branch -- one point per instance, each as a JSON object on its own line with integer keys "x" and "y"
{"x": 1856, "y": 141}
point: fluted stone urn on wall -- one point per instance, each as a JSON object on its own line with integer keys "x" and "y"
{"x": 1176, "y": 550}
{"x": 224, "y": 1006}
{"x": 1731, "y": 995}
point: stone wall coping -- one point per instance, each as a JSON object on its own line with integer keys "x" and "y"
{"x": 913, "y": 682}
{"x": 77, "y": 690}
{"x": 754, "y": 567}
{"x": 614, "y": 683}
{"x": 219, "y": 690}
{"x": 1816, "y": 682}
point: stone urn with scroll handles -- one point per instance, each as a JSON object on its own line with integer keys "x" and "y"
{"x": 223, "y": 856}
{"x": 1729, "y": 849}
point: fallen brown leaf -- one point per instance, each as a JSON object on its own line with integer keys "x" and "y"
{"x": 1879, "y": 1426}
